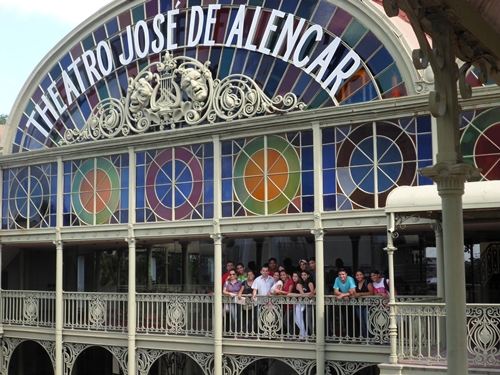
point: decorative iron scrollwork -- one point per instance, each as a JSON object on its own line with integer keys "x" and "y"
{"x": 177, "y": 91}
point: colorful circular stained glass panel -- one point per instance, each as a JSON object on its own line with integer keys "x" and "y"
{"x": 267, "y": 172}
{"x": 95, "y": 191}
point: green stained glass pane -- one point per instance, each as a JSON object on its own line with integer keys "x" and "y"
{"x": 390, "y": 78}
{"x": 354, "y": 32}
{"x": 138, "y": 13}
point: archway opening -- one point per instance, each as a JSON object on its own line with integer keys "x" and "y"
{"x": 30, "y": 358}
{"x": 175, "y": 363}
{"x": 96, "y": 361}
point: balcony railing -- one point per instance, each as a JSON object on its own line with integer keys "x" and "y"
{"x": 174, "y": 314}
{"x": 422, "y": 337}
{"x": 34, "y": 309}
{"x": 95, "y": 311}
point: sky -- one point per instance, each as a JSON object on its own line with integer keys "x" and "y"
{"x": 29, "y": 29}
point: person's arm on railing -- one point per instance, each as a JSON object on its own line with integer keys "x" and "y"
{"x": 363, "y": 294}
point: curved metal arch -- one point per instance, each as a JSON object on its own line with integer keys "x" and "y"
{"x": 240, "y": 363}
{"x": 347, "y": 368}
{"x": 72, "y": 351}
{"x": 8, "y": 347}
{"x": 147, "y": 357}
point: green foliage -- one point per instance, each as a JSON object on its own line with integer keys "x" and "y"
{"x": 3, "y": 119}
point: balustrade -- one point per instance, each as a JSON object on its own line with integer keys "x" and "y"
{"x": 174, "y": 314}
{"x": 95, "y": 311}
{"x": 35, "y": 309}
{"x": 422, "y": 338}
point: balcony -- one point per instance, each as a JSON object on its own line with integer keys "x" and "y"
{"x": 420, "y": 322}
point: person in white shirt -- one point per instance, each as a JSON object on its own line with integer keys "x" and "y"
{"x": 262, "y": 284}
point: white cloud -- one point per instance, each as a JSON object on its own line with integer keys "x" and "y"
{"x": 65, "y": 11}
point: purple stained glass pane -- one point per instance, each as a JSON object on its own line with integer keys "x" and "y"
{"x": 339, "y": 22}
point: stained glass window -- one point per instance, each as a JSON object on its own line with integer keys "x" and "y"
{"x": 175, "y": 184}
{"x": 96, "y": 191}
{"x": 268, "y": 175}
{"x": 363, "y": 163}
{"x": 480, "y": 141}
{"x": 29, "y": 197}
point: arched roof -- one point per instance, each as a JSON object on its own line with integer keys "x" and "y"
{"x": 349, "y": 53}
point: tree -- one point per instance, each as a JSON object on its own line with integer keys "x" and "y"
{"x": 3, "y": 119}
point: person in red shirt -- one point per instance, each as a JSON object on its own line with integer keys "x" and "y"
{"x": 229, "y": 268}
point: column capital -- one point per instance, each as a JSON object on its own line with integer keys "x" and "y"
{"x": 130, "y": 240}
{"x": 438, "y": 228}
{"x": 217, "y": 237}
{"x": 390, "y": 249}
{"x": 319, "y": 233}
{"x": 450, "y": 177}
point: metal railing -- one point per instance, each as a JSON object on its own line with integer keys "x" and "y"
{"x": 95, "y": 311}
{"x": 422, "y": 336}
{"x": 174, "y": 314}
{"x": 35, "y": 309}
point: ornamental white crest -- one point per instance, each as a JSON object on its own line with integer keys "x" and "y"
{"x": 178, "y": 92}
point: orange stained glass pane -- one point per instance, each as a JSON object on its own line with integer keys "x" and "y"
{"x": 355, "y": 82}
{"x": 277, "y": 175}
{"x": 88, "y": 195}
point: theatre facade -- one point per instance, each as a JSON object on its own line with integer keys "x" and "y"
{"x": 161, "y": 139}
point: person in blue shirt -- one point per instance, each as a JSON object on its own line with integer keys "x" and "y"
{"x": 343, "y": 288}
{"x": 344, "y": 285}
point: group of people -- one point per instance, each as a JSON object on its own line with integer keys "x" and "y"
{"x": 243, "y": 286}
{"x": 273, "y": 280}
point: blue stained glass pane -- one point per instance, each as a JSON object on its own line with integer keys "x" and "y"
{"x": 182, "y": 191}
{"x": 55, "y": 72}
{"x": 19, "y": 136}
{"x": 307, "y": 139}
{"x": 363, "y": 154}
{"x": 368, "y": 45}
{"x": 183, "y": 173}
{"x": 139, "y": 216}
{"x": 328, "y": 135}
{"x": 45, "y": 83}
{"x": 84, "y": 106}
{"x": 381, "y": 60}
{"x": 112, "y": 27}
{"x": 227, "y": 190}
{"x": 139, "y": 199}
{"x": 323, "y": 13}
{"x": 388, "y": 175}
{"x": 124, "y": 216}
{"x": 308, "y": 183}
{"x": 272, "y": 4}
{"x": 100, "y": 34}
{"x": 424, "y": 124}
{"x": 140, "y": 158}
{"x": 289, "y": 6}
{"x": 164, "y": 174}
{"x": 276, "y": 76}
{"x": 114, "y": 89}
{"x": 124, "y": 177}
{"x": 208, "y": 187}
{"x": 388, "y": 152}
{"x": 66, "y": 61}
{"x": 307, "y": 158}
{"x": 329, "y": 156}
{"x": 227, "y": 167}
{"x": 365, "y": 94}
{"x": 306, "y": 8}
{"x": 208, "y": 211}
{"x": 308, "y": 204}
{"x": 208, "y": 169}
{"x": 424, "y": 146}
{"x": 329, "y": 183}
{"x": 209, "y": 150}
{"x": 165, "y": 5}
{"x": 227, "y": 209}
{"x": 239, "y": 61}
{"x": 124, "y": 199}
{"x": 252, "y": 62}
{"x": 364, "y": 178}
{"x": 302, "y": 83}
